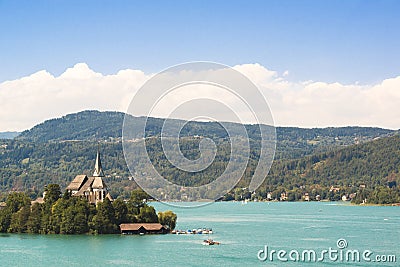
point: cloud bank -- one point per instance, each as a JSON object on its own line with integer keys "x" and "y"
{"x": 30, "y": 100}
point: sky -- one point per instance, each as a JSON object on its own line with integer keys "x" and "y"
{"x": 318, "y": 63}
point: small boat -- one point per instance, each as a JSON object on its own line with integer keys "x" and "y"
{"x": 198, "y": 231}
{"x": 210, "y": 242}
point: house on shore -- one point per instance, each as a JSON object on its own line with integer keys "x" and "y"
{"x": 142, "y": 228}
{"x": 93, "y": 188}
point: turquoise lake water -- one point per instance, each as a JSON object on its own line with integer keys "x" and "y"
{"x": 243, "y": 231}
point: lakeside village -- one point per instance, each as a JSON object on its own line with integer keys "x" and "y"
{"x": 333, "y": 193}
{"x": 86, "y": 207}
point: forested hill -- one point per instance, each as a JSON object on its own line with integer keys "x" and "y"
{"x": 306, "y": 160}
{"x": 368, "y": 172}
{"x": 85, "y": 125}
{"x": 292, "y": 142}
{"x": 371, "y": 165}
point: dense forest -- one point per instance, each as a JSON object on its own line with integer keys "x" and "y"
{"x": 307, "y": 161}
{"x": 64, "y": 214}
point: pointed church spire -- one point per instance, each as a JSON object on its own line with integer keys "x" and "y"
{"x": 98, "y": 170}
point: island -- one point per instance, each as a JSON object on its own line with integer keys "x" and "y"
{"x": 85, "y": 207}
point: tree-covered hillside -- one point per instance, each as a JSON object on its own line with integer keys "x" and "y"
{"x": 292, "y": 142}
{"x": 306, "y": 160}
{"x": 364, "y": 167}
{"x": 85, "y": 125}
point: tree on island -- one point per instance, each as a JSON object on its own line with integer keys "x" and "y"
{"x": 52, "y": 193}
{"x": 168, "y": 219}
{"x": 35, "y": 219}
{"x": 148, "y": 214}
{"x": 104, "y": 221}
{"x": 120, "y": 211}
{"x": 13, "y": 216}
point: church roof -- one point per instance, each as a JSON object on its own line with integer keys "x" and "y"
{"x": 109, "y": 197}
{"x": 77, "y": 183}
{"x": 86, "y": 187}
{"x": 98, "y": 183}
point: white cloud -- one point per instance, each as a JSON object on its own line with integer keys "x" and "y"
{"x": 320, "y": 104}
{"x": 32, "y": 99}
{"x": 40, "y": 96}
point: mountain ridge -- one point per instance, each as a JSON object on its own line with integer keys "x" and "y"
{"x": 9, "y": 135}
{"x": 292, "y": 142}
{"x": 113, "y": 120}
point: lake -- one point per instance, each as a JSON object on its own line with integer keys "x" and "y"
{"x": 243, "y": 230}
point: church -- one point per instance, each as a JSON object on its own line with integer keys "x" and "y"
{"x": 93, "y": 188}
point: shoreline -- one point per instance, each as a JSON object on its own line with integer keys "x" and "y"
{"x": 347, "y": 203}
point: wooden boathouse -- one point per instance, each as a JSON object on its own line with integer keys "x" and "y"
{"x": 142, "y": 228}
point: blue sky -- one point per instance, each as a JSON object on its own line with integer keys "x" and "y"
{"x": 331, "y": 41}
{"x": 318, "y": 63}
